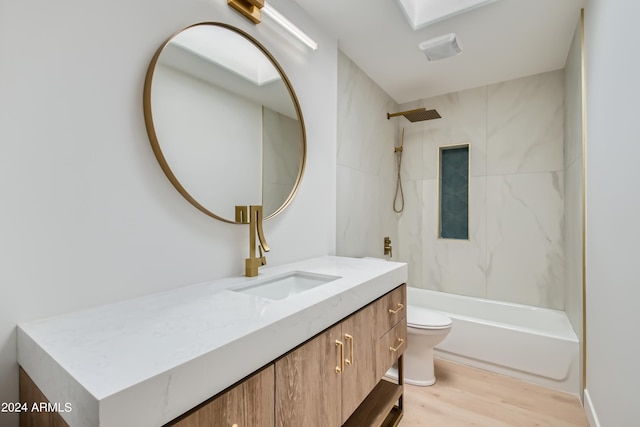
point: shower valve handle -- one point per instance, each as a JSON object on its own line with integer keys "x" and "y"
{"x": 387, "y": 247}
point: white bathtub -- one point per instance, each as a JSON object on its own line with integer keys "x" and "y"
{"x": 530, "y": 343}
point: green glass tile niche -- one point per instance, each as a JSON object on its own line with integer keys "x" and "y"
{"x": 454, "y": 192}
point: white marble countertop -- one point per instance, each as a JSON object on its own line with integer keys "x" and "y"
{"x": 144, "y": 361}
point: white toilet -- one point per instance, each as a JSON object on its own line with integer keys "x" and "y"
{"x": 426, "y": 329}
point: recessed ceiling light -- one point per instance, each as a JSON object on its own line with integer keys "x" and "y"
{"x": 441, "y": 47}
{"x": 421, "y": 13}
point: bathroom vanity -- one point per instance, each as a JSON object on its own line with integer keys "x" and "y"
{"x": 231, "y": 351}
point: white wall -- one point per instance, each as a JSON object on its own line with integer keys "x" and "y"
{"x": 613, "y": 210}
{"x": 515, "y": 249}
{"x": 88, "y": 217}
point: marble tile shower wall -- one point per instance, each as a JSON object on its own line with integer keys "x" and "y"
{"x": 516, "y": 211}
{"x": 365, "y": 164}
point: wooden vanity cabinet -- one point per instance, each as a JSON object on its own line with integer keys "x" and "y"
{"x": 391, "y": 328}
{"x": 391, "y": 347}
{"x": 30, "y": 394}
{"x": 360, "y": 371}
{"x": 308, "y": 384}
{"x": 249, "y": 403}
{"x": 335, "y": 378}
{"x": 390, "y": 309}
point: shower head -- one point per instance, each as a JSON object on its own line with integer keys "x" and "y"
{"x": 417, "y": 115}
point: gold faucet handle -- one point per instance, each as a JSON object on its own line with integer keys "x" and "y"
{"x": 263, "y": 259}
{"x": 241, "y": 215}
{"x": 256, "y": 215}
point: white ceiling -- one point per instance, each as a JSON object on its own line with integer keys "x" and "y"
{"x": 502, "y": 41}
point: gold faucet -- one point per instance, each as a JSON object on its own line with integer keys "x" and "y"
{"x": 255, "y": 228}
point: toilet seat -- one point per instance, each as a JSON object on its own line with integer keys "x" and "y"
{"x": 422, "y": 318}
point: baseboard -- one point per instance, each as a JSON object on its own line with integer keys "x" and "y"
{"x": 590, "y": 410}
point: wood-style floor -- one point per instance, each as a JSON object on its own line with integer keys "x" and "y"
{"x": 463, "y": 396}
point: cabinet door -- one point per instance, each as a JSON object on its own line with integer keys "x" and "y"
{"x": 391, "y": 347}
{"x": 249, "y": 404}
{"x": 360, "y": 374}
{"x": 308, "y": 386}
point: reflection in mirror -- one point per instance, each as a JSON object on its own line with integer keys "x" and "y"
{"x": 224, "y": 121}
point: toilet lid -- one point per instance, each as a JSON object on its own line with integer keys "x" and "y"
{"x": 419, "y": 317}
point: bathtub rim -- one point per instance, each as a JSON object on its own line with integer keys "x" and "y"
{"x": 567, "y": 333}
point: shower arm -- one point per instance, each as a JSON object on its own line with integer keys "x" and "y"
{"x": 417, "y": 115}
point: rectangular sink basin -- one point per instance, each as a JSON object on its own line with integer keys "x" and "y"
{"x": 286, "y": 285}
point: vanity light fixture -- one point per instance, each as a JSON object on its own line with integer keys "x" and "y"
{"x": 250, "y": 9}
{"x": 289, "y": 26}
{"x": 253, "y": 9}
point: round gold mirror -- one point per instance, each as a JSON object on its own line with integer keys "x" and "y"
{"x": 224, "y": 121}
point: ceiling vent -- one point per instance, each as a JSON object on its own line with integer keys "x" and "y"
{"x": 441, "y": 47}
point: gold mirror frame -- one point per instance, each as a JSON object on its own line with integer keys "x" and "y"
{"x": 151, "y": 131}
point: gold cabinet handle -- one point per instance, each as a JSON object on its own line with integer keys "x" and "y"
{"x": 340, "y": 367}
{"x": 349, "y": 361}
{"x": 235, "y": 425}
{"x": 399, "y": 345}
{"x": 400, "y": 307}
